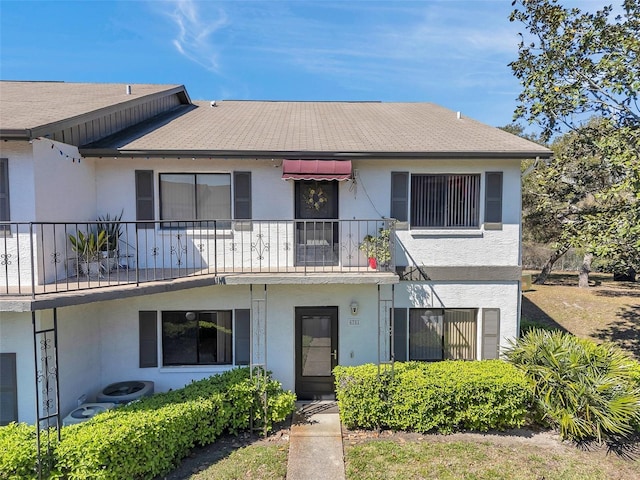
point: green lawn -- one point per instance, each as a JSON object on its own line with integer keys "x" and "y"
{"x": 255, "y": 462}
{"x": 476, "y": 460}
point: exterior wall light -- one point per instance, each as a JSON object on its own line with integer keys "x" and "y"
{"x": 354, "y": 308}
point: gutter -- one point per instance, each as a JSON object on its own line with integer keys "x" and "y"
{"x": 315, "y": 155}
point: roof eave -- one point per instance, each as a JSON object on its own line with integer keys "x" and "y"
{"x": 42, "y": 130}
{"x": 316, "y": 155}
{"x": 15, "y": 134}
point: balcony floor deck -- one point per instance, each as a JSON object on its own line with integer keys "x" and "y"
{"x": 136, "y": 282}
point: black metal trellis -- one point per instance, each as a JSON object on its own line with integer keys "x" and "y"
{"x": 45, "y": 353}
{"x": 258, "y": 353}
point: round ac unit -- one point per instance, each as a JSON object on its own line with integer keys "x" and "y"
{"x": 125, "y": 392}
{"x": 85, "y": 412}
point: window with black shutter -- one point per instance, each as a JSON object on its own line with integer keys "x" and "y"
{"x": 144, "y": 197}
{"x": 5, "y": 214}
{"x": 493, "y": 200}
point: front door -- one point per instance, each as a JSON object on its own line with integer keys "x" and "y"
{"x": 316, "y": 202}
{"x": 316, "y": 352}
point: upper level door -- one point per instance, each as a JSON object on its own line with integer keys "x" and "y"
{"x": 316, "y": 203}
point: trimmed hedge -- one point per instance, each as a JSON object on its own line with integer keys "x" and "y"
{"x": 18, "y": 455}
{"x": 443, "y": 396}
{"x": 149, "y": 437}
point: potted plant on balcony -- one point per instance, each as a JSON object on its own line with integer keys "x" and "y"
{"x": 113, "y": 231}
{"x": 87, "y": 247}
{"x": 377, "y": 248}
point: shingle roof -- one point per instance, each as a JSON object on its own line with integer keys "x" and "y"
{"x": 367, "y": 127}
{"x": 27, "y": 105}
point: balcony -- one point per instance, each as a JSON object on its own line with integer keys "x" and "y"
{"x": 39, "y": 258}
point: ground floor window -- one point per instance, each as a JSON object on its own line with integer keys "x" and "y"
{"x": 8, "y": 389}
{"x": 197, "y": 338}
{"x": 442, "y": 334}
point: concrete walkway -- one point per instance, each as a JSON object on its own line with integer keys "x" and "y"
{"x": 315, "y": 443}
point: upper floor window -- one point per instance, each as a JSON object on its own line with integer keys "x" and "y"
{"x": 195, "y": 196}
{"x": 445, "y": 201}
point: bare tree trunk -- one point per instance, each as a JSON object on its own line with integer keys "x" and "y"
{"x": 546, "y": 270}
{"x": 583, "y": 276}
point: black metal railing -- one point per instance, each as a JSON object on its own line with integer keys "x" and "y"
{"x": 39, "y": 257}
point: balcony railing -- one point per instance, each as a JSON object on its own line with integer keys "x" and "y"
{"x": 43, "y": 258}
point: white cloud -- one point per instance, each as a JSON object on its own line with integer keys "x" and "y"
{"x": 196, "y": 27}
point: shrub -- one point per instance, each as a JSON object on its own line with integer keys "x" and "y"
{"x": 18, "y": 455}
{"x": 442, "y": 396}
{"x": 585, "y": 390}
{"x": 148, "y": 437}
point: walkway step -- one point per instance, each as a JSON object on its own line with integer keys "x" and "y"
{"x": 315, "y": 444}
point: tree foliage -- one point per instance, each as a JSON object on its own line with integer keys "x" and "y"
{"x": 574, "y": 65}
{"x": 580, "y": 75}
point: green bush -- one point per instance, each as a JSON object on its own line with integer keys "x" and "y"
{"x": 18, "y": 455}
{"x": 442, "y": 396}
{"x": 148, "y": 437}
{"x": 587, "y": 391}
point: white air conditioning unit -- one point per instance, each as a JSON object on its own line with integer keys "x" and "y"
{"x": 125, "y": 392}
{"x": 85, "y": 412}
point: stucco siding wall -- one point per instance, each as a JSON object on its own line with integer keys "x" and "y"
{"x": 65, "y": 183}
{"x": 80, "y": 343}
{"x": 22, "y": 209}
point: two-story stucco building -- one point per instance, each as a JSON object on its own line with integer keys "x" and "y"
{"x": 146, "y": 236}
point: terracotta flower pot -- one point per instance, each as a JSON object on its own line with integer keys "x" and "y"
{"x": 373, "y": 263}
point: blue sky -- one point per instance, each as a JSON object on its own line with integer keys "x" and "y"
{"x": 454, "y": 53}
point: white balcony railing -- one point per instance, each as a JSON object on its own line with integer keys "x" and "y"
{"x": 38, "y": 258}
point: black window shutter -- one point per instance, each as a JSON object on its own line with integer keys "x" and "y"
{"x": 399, "y": 195}
{"x": 493, "y": 198}
{"x": 242, "y": 195}
{"x": 148, "y": 339}
{"x": 400, "y": 334}
{"x": 490, "y": 333}
{"x": 144, "y": 197}
{"x": 242, "y": 334}
{"x": 4, "y": 190}
{"x": 8, "y": 389}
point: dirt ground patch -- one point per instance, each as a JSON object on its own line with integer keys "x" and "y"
{"x": 607, "y": 311}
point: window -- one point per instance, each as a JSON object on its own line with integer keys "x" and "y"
{"x": 4, "y": 192}
{"x": 197, "y": 338}
{"x": 144, "y": 197}
{"x": 493, "y": 200}
{"x": 8, "y": 389}
{"x": 195, "y": 196}
{"x": 445, "y": 201}
{"x": 442, "y": 334}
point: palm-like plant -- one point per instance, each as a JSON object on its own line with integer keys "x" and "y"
{"x": 587, "y": 391}
{"x": 87, "y": 246}
{"x": 113, "y": 230}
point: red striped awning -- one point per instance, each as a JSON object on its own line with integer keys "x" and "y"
{"x": 316, "y": 169}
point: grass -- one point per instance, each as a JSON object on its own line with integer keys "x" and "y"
{"x": 473, "y": 460}
{"x": 256, "y": 462}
